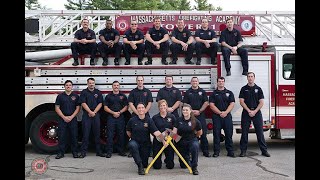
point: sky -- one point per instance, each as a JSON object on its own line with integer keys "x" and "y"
{"x": 227, "y": 5}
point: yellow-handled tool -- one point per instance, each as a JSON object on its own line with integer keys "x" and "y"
{"x": 169, "y": 138}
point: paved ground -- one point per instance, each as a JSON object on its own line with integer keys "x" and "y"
{"x": 280, "y": 166}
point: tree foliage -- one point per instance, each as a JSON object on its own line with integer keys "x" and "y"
{"x": 202, "y": 5}
{"x": 32, "y": 4}
{"x": 78, "y": 5}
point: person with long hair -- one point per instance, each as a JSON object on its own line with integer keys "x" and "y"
{"x": 163, "y": 120}
{"x": 189, "y": 128}
{"x": 138, "y": 129}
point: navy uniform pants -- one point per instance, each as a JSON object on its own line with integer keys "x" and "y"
{"x": 115, "y": 124}
{"x": 87, "y": 124}
{"x": 127, "y": 51}
{"x": 151, "y": 49}
{"x": 140, "y": 152}
{"x": 243, "y": 53}
{"x": 78, "y": 48}
{"x": 177, "y": 48}
{"x": 257, "y": 123}
{"x": 63, "y": 129}
{"x": 187, "y": 147}
{"x": 211, "y": 51}
{"x": 105, "y": 50}
{"x": 168, "y": 151}
{"x": 227, "y": 126}
{"x": 203, "y": 138}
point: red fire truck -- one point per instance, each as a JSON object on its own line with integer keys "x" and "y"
{"x": 268, "y": 36}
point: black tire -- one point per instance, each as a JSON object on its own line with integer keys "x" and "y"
{"x": 41, "y": 141}
{"x": 26, "y": 132}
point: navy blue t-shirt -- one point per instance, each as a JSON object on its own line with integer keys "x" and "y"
{"x": 141, "y": 128}
{"x": 91, "y": 98}
{"x": 230, "y": 37}
{"x": 251, "y": 95}
{"x": 205, "y": 34}
{"x": 116, "y": 102}
{"x": 163, "y": 123}
{"x": 67, "y": 103}
{"x": 157, "y": 35}
{"x": 138, "y": 35}
{"x": 181, "y": 35}
{"x": 89, "y": 34}
{"x": 222, "y": 98}
{"x": 185, "y": 129}
{"x": 171, "y": 95}
{"x": 109, "y": 34}
{"x": 136, "y": 95}
{"x": 195, "y": 97}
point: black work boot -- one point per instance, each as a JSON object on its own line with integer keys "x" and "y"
{"x": 149, "y": 62}
{"x": 140, "y": 169}
{"x": 92, "y": 62}
{"x": 139, "y": 61}
{"x": 173, "y": 62}
{"x": 198, "y": 62}
{"x": 189, "y": 62}
{"x": 75, "y": 63}
{"x": 127, "y": 62}
{"x": 116, "y": 61}
{"x": 164, "y": 62}
{"x": 195, "y": 171}
{"x": 105, "y": 62}
{"x": 214, "y": 61}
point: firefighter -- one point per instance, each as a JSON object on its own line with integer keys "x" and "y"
{"x": 182, "y": 42}
{"x": 67, "y": 107}
{"x": 189, "y": 128}
{"x": 138, "y": 129}
{"x": 84, "y": 43}
{"x": 115, "y": 104}
{"x": 231, "y": 42}
{"x": 138, "y": 95}
{"x": 163, "y": 120}
{"x": 133, "y": 42}
{"x": 197, "y": 98}
{"x": 109, "y": 43}
{"x": 172, "y": 95}
{"x": 221, "y": 103}
{"x": 91, "y": 101}
{"x": 251, "y": 99}
{"x": 206, "y": 42}
{"x": 157, "y": 42}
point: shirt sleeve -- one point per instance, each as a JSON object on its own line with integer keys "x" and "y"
{"x": 141, "y": 36}
{"x": 116, "y": 33}
{"x": 222, "y": 37}
{"x": 231, "y": 97}
{"x": 129, "y": 125}
{"x": 174, "y": 34}
{"x": 239, "y": 36}
{"x": 126, "y": 34}
{"x": 77, "y": 100}
{"x": 106, "y": 101}
{"x": 179, "y": 96}
{"x": 100, "y": 97}
{"x": 131, "y": 98}
{"x": 58, "y": 100}
{"x": 186, "y": 97}
{"x": 101, "y": 33}
{"x": 212, "y": 98}
{"x": 204, "y": 96}
{"x": 261, "y": 96}
{"x": 213, "y": 34}
{"x": 241, "y": 94}
{"x": 83, "y": 97}
{"x": 152, "y": 127}
{"x": 93, "y": 35}
{"x": 77, "y": 35}
{"x": 198, "y": 125}
{"x": 150, "y": 99}
{"x": 164, "y": 31}
{"x": 197, "y": 34}
{"x": 159, "y": 95}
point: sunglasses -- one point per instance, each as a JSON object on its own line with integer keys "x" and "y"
{"x": 133, "y": 24}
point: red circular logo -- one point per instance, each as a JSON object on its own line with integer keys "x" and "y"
{"x": 122, "y": 25}
{"x": 39, "y": 166}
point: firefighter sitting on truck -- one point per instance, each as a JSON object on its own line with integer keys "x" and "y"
{"x": 84, "y": 43}
{"x": 182, "y": 42}
{"x": 109, "y": 38}
{"x": 133, "y": 42}
{"x": 231, "y": 42}
{"x": 206, "y": 42}
{"x": 157, "y": 42}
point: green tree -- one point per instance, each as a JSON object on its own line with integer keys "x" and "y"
{"x": 32, "y": 4}
{"x": 184, "y": 5}
{"x": 106, "y": 4}
{"x": 202, "y": 5}
{"x": 78, "y": 5}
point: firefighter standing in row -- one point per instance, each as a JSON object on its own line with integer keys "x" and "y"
{"x": 197, "y": 98}
{"x": 189, "y": 128}
{"x": 206, "y": 42}
{"x": 138, "y": 129}
{"x": 157, "y": 42}
{"x": 172, "y": 95}
{"x": 133, "y": 42}
{"x": 251, "y": 99}
{"x": 115, "y": 104}
{"x": 67, "y": 107}
{"x": 163, "y": 120}
{"x": 84, "y": 43}
{"x": 182, "y": 42}
{"x": 91, "y": 100}
{"x": 221, "y": 103}
{"x": 109, "y": 43}
{"x": 231, "y": 42}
